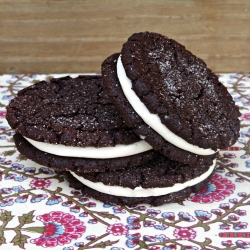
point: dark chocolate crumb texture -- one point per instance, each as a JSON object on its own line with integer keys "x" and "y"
{"x": 158, "y": 172}
{"x": 132, "y": 119}
{"x": 157, "y": 181}
{"x": 132, "y": 201}
{"x": 176, "y": 86}
{"x": 70, "y": 123}
{"x": 68, "y": 111}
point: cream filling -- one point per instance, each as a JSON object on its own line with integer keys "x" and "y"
{"x": 143, "y": 192}
{"x": 153, "y": 120}
{"x": 92, "y": 152}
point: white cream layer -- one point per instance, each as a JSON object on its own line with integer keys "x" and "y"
{"x": 139, "y": 191}
{"x": 92, "y": 152}
{"x": 153, "y": 120}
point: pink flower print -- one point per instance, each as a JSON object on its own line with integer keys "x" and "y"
{"x": 60, "y": 228}
{"x": 240, "y": 225}
{"x": 91, "y": 237}
{"x": 40, "y": 183}
{"x": 117, "y": 229}
{"x": 241, "y": 212}
{"x": 225, "y": 206}
{"x": 224, "y": 226}
{"x": 242, "y": 244}
{"x": 233, "y": 217}
{"x": 217, "y": 212}
{"x": 246, "y": 116}
{"x": 153, "y": 212}
{"x": 217, "y": 189}
{"x": 184, "y": 233}
{"x": 2, "y": 113}
{"x": 227, "y": 243}
{"x": 234, "y": 201}
{"x": 242, "y": 194}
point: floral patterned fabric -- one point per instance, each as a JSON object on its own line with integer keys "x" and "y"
{"x": 38, "y": 210}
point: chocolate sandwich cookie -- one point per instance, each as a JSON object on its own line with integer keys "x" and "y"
{"x": 158, "y": 181}
{"x": 132, "y": 119}
{"x": 76, "y": 164}
{"x": 170, "y": 98}
{"x": 73, "y": 118}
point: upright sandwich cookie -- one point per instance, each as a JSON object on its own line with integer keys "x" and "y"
{"x": 171, "y": 99}
{"x": 70, "y": 124}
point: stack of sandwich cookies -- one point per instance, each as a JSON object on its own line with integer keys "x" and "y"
{"x": 70, "y": 124}
{"x": 45, "y": 115}
{"x": 147, "y": 131}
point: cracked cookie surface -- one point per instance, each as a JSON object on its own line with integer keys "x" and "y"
{"x": 113, "y": 88}
{"x": 181, "y": 90}
{"x": 69, "y": 111}
{"x": 158, "y": 172}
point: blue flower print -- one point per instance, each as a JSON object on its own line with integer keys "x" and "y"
{"x": 68, "y": 248}
{"x": 227, "y": 243}
{"x": 224, "y": 206}
{"x": 6, "y": 190}
{"x": 242, "y": 244}
{"x": 54, "y": 200}
{"x": 133, "y": 240}
{"x": 242, "y": 194}
{"x": 17, "y": 166}
{"x": 168, "y": 215}
{"x": 39, "y": 198}
{"x": 153, "y": 212}
{"x": 29, "y": 170}
{"x": 6, "y": 202}
{"x": 161, "y": 238}
{"x": 234, "y": 201}
{"x": 46, "y": 171}
{"x": 186, "y": 217}
{"x": 202, "y": 215}
{"x": 20, "y": 178}
{"x": 161, "y": 227}
{"x": 217, "y": 212}
{"x": 83, "y": 214}
{"x": 118, "y": 210}
{"x": 21, "y": 199}
{"x": 17, "y": 189}
{"x": 133, "y": 223}
{"x": 67, "y": 203}
{"x": 75, "y": 209}
{"x": 148, "y": 238}
{"x": 9, "y": 176}
{"x": 107, "y": 205}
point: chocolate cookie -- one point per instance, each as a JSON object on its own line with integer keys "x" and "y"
{"x": 132, "y": 201}
{"x": 76, "y": 164}
{"x": 73, "y": 121}
{"x": 173, "y": 92}
{"x": 72, "y": 112}
{"x": 156, "y": 182}
{"x": 112, "y": 86}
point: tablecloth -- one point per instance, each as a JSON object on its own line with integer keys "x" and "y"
{"x": 39, "y": 210}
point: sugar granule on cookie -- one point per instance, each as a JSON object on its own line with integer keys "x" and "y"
{"x": 69, "y": 123}
{"x": 170, "y": 98}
